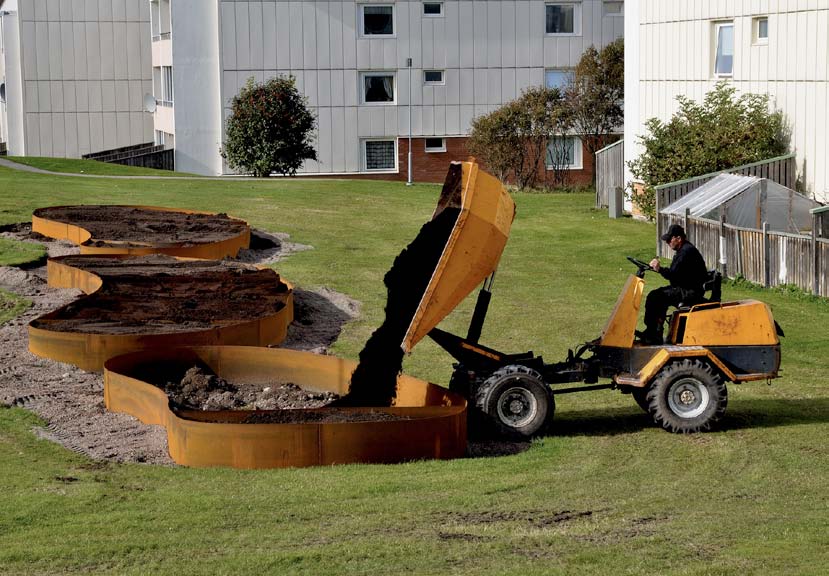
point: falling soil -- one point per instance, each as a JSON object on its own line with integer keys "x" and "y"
{"x": 374, "y": 381}
{"x": 131, "y": 226}
{"x": 159, "y": 294}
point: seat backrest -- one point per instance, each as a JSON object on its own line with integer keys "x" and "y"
{"x": 714, "y": 285}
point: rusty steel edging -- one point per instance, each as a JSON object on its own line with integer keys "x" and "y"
{"x": 437, "y": 428}
{"x": 89, "y": 351}
{"x": 208, "y": 251}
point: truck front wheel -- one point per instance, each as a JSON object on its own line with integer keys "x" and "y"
{"x": 517, "y": 401}
{"x": 687, "y": 396}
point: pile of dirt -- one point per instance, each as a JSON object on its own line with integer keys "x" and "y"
{"x": 131, "y": 226}
{"x": 374, "y": 382}
{"x": 201, "y": 389}
{"x": 159, "y": 294}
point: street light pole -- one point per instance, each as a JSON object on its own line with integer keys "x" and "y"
{"x": 409, "y": 174}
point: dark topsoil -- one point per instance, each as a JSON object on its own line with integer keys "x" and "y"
{"x": 138, "y": 226}
{"x": 274, "y": 403}
{"x": 159, "y": 294}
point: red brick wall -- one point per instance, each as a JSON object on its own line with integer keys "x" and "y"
{"x": 432, "y": 166}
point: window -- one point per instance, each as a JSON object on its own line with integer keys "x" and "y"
{"x": 724, "y": 57}
{"x": 558, "y": 78}
{"x": 433, "y": 9}
{"x": 435, "y": 144}
{"x": 614, "y": 8}
{"x": 378, "y": 88}
{"x": 433, "y": 76}
{"x": 563, "y": 18}
{"x": 379, "y": 154}
{"x": 761, "y": 30}
{"x": 564, "y": 152}
{"x": 376, "y": 20}
{"x": 167, "y": 85}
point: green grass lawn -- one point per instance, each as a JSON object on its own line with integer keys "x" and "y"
{"x": 604, "y": 493}
{"x": 14, "y": 253}
{"x": 71, "y": 166}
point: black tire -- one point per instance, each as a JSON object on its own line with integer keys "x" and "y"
{"x": 687, "y": 396}
{"x": 516, "y": 401}
{"x": 640, "y": 395}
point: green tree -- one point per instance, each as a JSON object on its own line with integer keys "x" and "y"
{"x": 512, "y": 140}
{"x": 270, "y": 129}
{"x": 596, "y": 94}
{"x": 721, "y": 133}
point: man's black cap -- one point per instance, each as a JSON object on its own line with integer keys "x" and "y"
{"x": 674, "y": 230}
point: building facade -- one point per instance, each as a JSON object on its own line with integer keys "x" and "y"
{"x": 775, "y": 47}
{"x": 74, "y": 76}
{"x": 367, "y": 68}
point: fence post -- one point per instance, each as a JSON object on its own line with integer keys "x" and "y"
{"x": 815, "y": 257}
{"x": 656, "y": 193}
{"x": 685, "y": 224}
{"x": 723, "y": 248}
{"x": 766, "y": 256}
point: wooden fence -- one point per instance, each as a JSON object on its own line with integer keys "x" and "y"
{"x": 610, "y": 172}
{"x": 760, "y": 256}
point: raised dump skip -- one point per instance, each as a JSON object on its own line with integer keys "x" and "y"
{"x": 451, "y": 255}
{"x": 139, "y": 230}
{"x": 426, "y": 421}
{"x": 136, "y": 303}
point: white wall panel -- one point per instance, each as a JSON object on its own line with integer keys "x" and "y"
{"x": 242, "y": 36}
{"x": 257, "y": 40}
{"x": 337, "y": 139}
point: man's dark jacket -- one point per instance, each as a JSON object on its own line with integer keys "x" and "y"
{"x": 687, "y": 269}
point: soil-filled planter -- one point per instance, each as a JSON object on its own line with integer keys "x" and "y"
{"x": 426, "y": 421}
{"x": 138, "y": 230}
{"x": 159, "y": 301}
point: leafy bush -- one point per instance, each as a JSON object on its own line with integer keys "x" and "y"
{"x": 721, "y": 133}
{"x": 269, "y": 129}
{"x": 512, "y": 140}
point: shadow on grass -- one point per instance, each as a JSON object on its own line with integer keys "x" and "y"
{"x": 741, "y": 414}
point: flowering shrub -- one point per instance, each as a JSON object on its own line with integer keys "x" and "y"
{"x": 270, "y": 129}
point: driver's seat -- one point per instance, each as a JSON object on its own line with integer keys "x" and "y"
{"x": 713, "y": 284}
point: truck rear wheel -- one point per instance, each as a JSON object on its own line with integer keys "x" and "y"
{"x": 687, "y": 396}
{"x": 640, "y": 395}
{"x": 517, "y": 401}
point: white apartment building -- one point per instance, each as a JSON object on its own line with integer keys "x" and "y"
{"x": 74, "y": 73}
{"x": 366, "y": 68}
{"x": 775, "y": 47}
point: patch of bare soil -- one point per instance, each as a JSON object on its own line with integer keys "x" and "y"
{"x": 71, "y": 400}
{"x": 158, "y": 294}
{"x": 138, "y": 226}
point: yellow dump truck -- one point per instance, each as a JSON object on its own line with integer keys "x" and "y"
{"x": 681, "y": 384}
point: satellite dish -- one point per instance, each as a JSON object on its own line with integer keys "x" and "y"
{"x": 149, "y": 103}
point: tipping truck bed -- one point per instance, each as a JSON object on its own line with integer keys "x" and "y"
{"x": 473, "y": 248}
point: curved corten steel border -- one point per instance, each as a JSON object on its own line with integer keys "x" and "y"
{"x": 89, "y": 351}
{"x": 436, "y": 427}
{"x": 80, "y": 236}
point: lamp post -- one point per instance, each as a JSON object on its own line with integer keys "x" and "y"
{"x": 409, "y": 173}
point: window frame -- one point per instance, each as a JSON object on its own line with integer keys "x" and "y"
{"x": 577, "y": 12}
{"x": 618, "y": 14}
{"x": 439, "y": 15}
{"x": 377, "y": 73}
{"x": 361, "y": 19}
{"x": 167, "y": 86}
{"x": 717, "y": 27}
{"x": 755, "y": 30}
{"x": 569, "y": 71}
{"x": 578, "y": 154}
{"x": 434, "y": 150}
{"x": 440, "y": 82}
{"x": 364, "y": 152}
